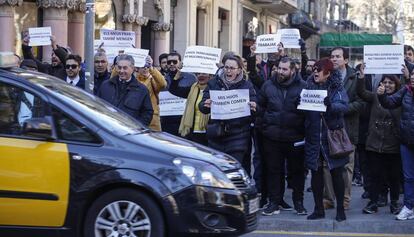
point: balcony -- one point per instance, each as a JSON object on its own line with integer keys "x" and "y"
{"x": 279, "y": 7}
{"x": 304, "y": 23}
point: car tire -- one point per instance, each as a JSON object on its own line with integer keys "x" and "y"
{"x": 123, "y": 212}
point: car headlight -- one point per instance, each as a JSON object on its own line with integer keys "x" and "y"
{"x": 202, "y": 173}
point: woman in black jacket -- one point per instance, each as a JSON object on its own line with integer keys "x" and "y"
{"x": 230, "y": 136}
{"x": 382, "y": 144}
{"x": 316, "y": 146}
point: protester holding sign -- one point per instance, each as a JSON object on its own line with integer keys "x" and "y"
{"x": 59, "y": 54}
{"x": 283, "y": 126}
{"x": 404, "y": 98}
{"x": 193, "y": 122}
{"x": 382, "y": 143}
{"x": 155, "y": 82}
{"x": 231, "y": 135}
{"x": 317, "y": 153}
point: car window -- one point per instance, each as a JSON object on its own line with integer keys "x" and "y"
{"x": 71, "y": 130}
{"x": 16, "y": 106}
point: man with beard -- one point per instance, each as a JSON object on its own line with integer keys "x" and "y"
{"x": 162, "y": 59}
{"x": 308, "y": 69}
{"x": 282, "y": 127}
{"x": 101, "y": 70}
{"x": 59, "y": 54}
{"x": 171, "y": 124}
{"x": 73, "y": 67}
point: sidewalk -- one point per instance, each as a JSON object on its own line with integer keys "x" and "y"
{"x": 357, "y": 222}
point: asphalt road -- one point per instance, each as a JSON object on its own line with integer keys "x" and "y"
{"x": 319, "y": 234}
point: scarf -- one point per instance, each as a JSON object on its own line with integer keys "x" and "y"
{"x": 230, "y": 82}
{"x": 187, "y": 121}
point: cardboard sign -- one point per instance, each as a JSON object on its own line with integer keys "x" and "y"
{"x": 201, "y": 59}
{"x": 170, "y": 104}
{"x": 289, "y": 38}
{"x": 267, "y": 43}
{"x": 312, "y": 100}
{"x": 229, "y": 104}
{"x": 139, "y": 55}
{"x": 383, "y": 59}
{"x": 40, "y": 36}
{"x": 117, "y": 38}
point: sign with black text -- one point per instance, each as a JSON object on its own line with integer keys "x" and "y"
{"x": 312, "y": 100}
{"x": 383, "y": 59}
{"x": 201, "y": 59}
{"x": 170, "y": 104}
{"x": 229, "y": 104}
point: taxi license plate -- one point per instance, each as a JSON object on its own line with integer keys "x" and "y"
{"x": 253, "y": 205}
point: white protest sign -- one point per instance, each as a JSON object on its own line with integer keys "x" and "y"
{"x": 229, "y": 104}
{"x": 139, "y": 55}
{"x": 201, "y": 59}
{"x": 312, "y": 100}
{"x": 267, "y": 43}
{"x": 117, "y": 38}
{"x": 383, "y": 59}
{"x": 40, "y": 36}
{"x": 289, "y": 38}
{"x": 171, "y": 104}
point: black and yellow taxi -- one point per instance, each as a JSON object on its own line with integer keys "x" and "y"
{"x": 73, "y": 165}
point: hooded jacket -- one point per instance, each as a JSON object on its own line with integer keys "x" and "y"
{"x": 316, "y": 142}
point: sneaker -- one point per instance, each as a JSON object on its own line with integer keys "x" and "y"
{"x": 357, "y": 182}
{"x": 395, "y": 207}
{"x": 263, "y": 202}
{"x": 371, "y": 208}
{"x": 284, "y": 206}
{"x": 300, "y": 209}
{"x": 316, "y": 215}
{"x": 382, "y": 200}
{"x": 309, "y": 190}
{"x": 271, "y": 209}
{"x": 405, "y": 214}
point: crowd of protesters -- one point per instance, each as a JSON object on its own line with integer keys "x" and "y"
{"x": 377, "y": 112}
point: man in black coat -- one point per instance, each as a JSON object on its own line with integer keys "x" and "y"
{"x": 73, "y": 67}
{"x": 282, "y": 128}
{"x": 101, "y": 71}
{"x": 125, "y": 92}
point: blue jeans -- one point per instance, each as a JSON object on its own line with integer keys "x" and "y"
{"x": 407, "y": 156}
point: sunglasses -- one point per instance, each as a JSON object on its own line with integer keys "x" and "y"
{"x": 172, "y": 61}
{"x": 318, "y": 69}
{"x": 71, "y": 66}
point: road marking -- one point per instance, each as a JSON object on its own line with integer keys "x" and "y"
{"x": 331, "y": 234}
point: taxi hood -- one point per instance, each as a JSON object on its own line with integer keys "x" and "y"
{"x": 180, "y": 147}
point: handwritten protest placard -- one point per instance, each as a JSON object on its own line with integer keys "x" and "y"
{"x": 289, "y": 38}
{"x": 139, "y": 55}
{"x": 201, "y": 59}
{"x": 383, "y": 59}
{"x": 229, "y": 104}
{"x": 312, "y": 100}
{"x": 171, "y": 104}
{"x": 40, "y": 36}
{"x": 267, "y": 43}
{"x": 117, "y": 38}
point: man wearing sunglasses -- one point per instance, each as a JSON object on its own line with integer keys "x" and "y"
{"x": 171, "y": 124}
{"x": 72, "y": 67}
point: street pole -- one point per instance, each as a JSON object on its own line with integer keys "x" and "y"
{"x": 89, "y": 39}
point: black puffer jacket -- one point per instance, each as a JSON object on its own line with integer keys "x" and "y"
{"x": 404, "y": 98}
{"x": 135, "y": 102}
{"x": 233, "y": 126}
{"x": 281, "y": 121}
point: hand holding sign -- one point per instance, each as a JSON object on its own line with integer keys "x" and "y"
{"x": 252, "y": 105}
{"x": 381, "y": 89}
{"x": 207, "y": 103}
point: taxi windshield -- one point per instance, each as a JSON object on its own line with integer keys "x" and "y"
{"x": 103, "y": 113}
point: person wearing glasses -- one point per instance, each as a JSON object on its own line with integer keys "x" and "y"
{"x": 126, "y": 92}
{"x": 317, "y": 155}
{"x": 171, "y": 124}
{"x": 101, "y": 70}
{"x": 229, "y": 136}
{"x": 155, "y": 82}
{"x": 72, "y": 67}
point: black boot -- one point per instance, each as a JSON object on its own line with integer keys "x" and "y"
{"x": 317, "y": 214}
{"x": 340, "y": 215}
{"x": 372, "y": 207}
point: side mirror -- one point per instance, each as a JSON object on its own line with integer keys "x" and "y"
{"x": 38, "y": 127}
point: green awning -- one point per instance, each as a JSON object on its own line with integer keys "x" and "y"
{"x": 354, "y": 40}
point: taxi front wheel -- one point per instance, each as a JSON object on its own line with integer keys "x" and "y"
{"x": 124, "y": 213}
